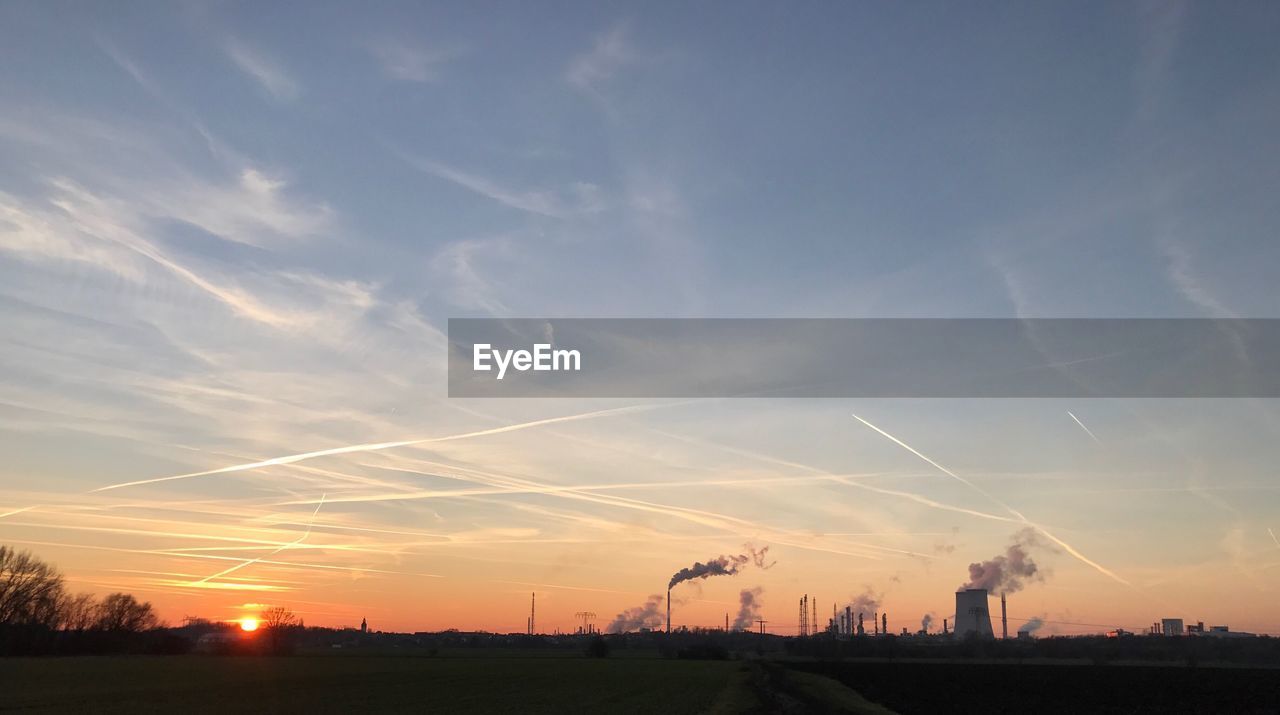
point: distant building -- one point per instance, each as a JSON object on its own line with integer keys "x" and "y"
{"x": 1171, "y": 626}
{"x": 972, "y": 616}
{"x": 1224, "y": 632}
{"x": 364, "y": 626}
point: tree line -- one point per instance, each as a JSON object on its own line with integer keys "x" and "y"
{"x": 39, "y": 614}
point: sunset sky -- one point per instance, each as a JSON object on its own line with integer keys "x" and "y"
{"x": 233, "y": 233}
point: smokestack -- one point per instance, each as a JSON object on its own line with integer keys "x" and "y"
{"x": 944, "y": 626}
{"x": 533, "y": 609}
{"x": 1004, "y": 618}
{"x": 668, "y": 609}
{"x": 875, "y": 623}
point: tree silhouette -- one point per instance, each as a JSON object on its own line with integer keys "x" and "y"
{"x": 78, "y": 613}
{"x": 31, "y": 590}
{"x": 123, "y": 612}
{"x": 280, "y": 623}
{"x": 279, "y": 617}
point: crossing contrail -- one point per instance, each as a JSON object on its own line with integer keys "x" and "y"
{"x": 376, "y": 446}
{"x": 1086, "y": 429}
{"x": 843, "y": 479}
{"x": 253, "y": 561}
{"x": 1065, "y": 546}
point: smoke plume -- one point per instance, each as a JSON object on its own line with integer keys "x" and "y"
{"x": 926, "y": 622}
{"x": 867, "y": 602}
{"x": 721, "y": 566}
{"x": 650, "y": 615}
{"x": 1032, "y": 625}
{"x": 1007, "y": 572}
{"x": 749, "y": 610}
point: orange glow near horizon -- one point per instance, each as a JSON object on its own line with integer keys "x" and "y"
{"x": 248, "y": 624}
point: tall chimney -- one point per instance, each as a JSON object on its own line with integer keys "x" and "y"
{"x": 533, "y": 609}
{"x": 1004, "y": 618}
{"x": 668, "y": 609}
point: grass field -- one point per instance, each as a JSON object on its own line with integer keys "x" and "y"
{"x": 494, "y": 682}
{"x": 1048, "y": 688}
{"x": 362, "y": 683}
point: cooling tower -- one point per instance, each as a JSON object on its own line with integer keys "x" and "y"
{"x": 972, "y": 616}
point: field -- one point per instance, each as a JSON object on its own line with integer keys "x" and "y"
{"x": 473, "y": 682}
{"x": 361, "y": 683}
{"x": 479, "y": 682}
{"x": 991, "y": 688}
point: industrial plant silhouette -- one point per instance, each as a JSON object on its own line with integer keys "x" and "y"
{"x": 844, "y": 665}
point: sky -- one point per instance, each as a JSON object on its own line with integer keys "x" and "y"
{"x": 232, "y": 233}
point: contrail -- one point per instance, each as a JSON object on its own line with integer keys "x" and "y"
{"x": 703, "y": 518}
{"x": 18, "y": 511}
{"x": 1067, "y": 547}
{"x": 1086, "y": 429}
{"x": 253, "y": 561}
{"x": 551, "y": 490}
{"x": 843, "y": 479}
{"x": 287, "y": 564}
{"x": 940, "y": 468}
{"x": 1273, "y": 537}
{"x": 377, "y": 446}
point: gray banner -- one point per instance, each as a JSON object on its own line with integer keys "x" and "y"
{"x": 1050, "y": 357}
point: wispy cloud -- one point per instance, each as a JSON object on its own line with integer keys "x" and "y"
{"x": 456, "y": 264}
{"x": 609, "y": 53}
{"x": 577, "y": 198}
{"x": 412, "y": 63}
{"x": 269, "y": 74}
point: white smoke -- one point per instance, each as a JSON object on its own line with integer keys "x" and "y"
{"x": 749, "y": 608}
{"x": 1032, "y": 625}
{"x": 1008, "y": 572}
{"x": 649, "y": 615}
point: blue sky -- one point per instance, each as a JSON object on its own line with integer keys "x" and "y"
{"x": 234, "y": 231}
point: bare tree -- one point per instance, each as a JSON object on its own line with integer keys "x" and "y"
{"x": 30, "y": 589}
{"x": 281, "y": 626}
{"x": 279, "y": 617}
{"x": 79, "y": 612}
{"x": 123, "y": 612}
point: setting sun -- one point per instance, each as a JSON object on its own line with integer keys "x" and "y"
{"x": 248, "y": 624}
